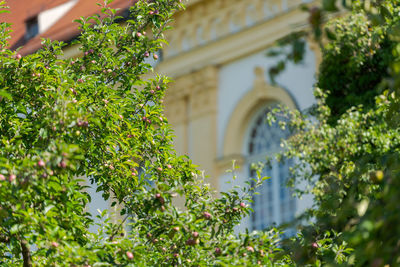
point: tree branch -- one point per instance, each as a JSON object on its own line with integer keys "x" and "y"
{"x": 26, "y": 254}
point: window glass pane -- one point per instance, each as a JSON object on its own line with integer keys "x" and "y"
{"x": 274, "y": 203}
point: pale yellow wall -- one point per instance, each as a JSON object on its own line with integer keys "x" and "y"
{"x": 191, "y": 108}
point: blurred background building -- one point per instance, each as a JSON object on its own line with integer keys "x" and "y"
{"x": 222, "y": 91}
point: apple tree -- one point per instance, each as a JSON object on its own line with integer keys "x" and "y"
{"x": 94, "y": 118}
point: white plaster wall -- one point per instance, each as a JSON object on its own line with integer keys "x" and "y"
{"x": 235, "y": 80}
{"x": 97, "y": 204}
{"x": 47, "y": 18}
{"x": 227, "y": 183}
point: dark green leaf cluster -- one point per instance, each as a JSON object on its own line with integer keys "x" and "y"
{"x": 349, "y": 151}
{"x": 355, "y": 62}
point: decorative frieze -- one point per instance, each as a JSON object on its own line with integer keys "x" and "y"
{"x": 209, "y": 20}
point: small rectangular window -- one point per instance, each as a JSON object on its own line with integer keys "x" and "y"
{"x": 32, "y": 28}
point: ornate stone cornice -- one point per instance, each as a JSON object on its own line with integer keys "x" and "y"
{"x": 233, "y": 46}
{"x": 209, "y": 20}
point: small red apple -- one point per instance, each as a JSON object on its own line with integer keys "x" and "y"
{"x": 129, "y": 255}
{"x": 12, "y": 177}
{"x": 41, "y": 163}
{"x": 206, "y": 215}
{"x": 63, "y": 164}
{"x": 250, "y": 249}
{"x": 192, "y": 242}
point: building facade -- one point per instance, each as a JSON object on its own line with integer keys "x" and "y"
{"x": 221, "y": 91}
{"x": 217, "y": 104}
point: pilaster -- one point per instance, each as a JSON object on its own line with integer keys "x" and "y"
{"x": 191, "y": 108}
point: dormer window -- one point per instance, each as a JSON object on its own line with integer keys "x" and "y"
{"x": 32, "y": 27}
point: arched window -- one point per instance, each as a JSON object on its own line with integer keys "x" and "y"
{"x": 274, "y": 204}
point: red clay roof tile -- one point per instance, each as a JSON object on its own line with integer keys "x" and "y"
{"x": 63, "y": 30}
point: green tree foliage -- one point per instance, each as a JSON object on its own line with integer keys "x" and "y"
{"x": 354, "y": 62}
{"x": 351, "y": 165}
{"x": 95, "y": 117}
